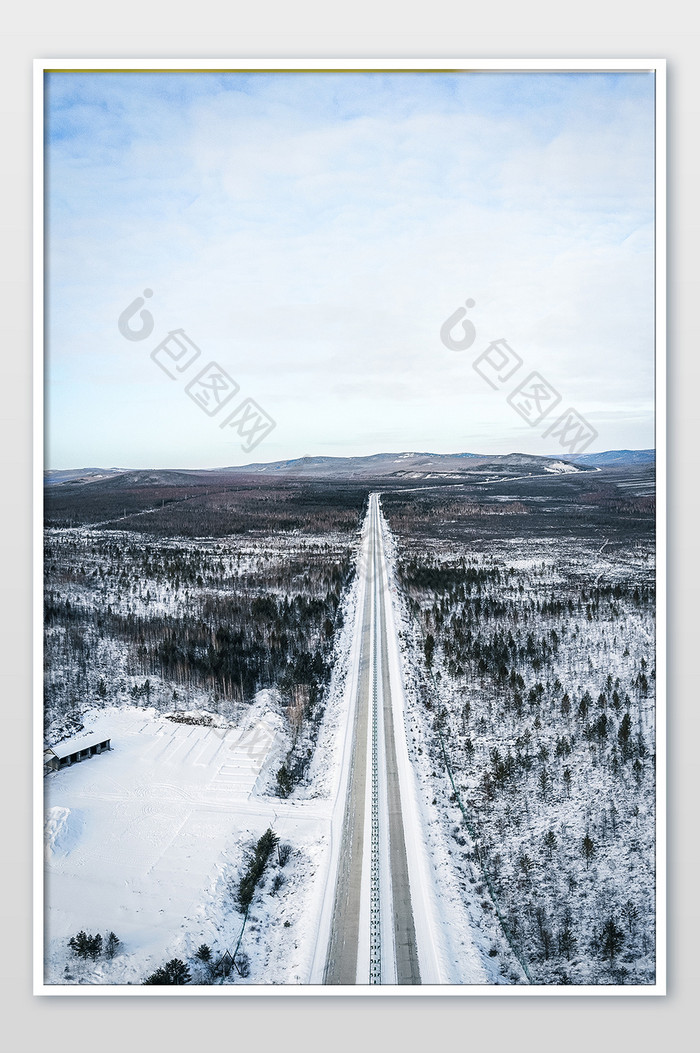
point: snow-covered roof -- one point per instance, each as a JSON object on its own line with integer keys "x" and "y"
{"x": 82, "y": 742}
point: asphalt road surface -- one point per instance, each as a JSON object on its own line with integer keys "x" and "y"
{"x": 366, "y": 890}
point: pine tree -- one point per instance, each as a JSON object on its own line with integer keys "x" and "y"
{"x": 77, "y": 943}
{"x": 630, "y": 914}
{"x": 111, "y": 944}
{"x": 203, "y": 953}
{"x": 543, "y": 931}
{"x": 85, "y": 946}
{"x": 567, "y": 941}
{"x": 623, "y": 735}
{"x": 588, "y": 849}
{"x": 285, "y": 782}
{"x": 255, "y": 868}
{"x": 611, "y": 940}
{"x": 567, "y": 781}
{"x": 525, "y": 863}
{"x": 584, "y": 705}
{"x": 173, "y": 973}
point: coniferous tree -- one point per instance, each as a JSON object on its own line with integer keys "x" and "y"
{"x": 255, "y": 868}
{"x": 567, "y": 781}
{"x": 567, "y": 941}
{"x": 550, "y": 842}
{"x": 111, "y": 944}
{"x": 630, "y": 914}
{"x": 588, "y": 849}
{"x": 85, "y": 946}
{"x": 611, "y": 939}
{"x": 175, "y": 972}
{"x": 623, "y": 735}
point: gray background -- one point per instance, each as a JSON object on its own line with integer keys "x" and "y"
{"x": 371, "y": 28}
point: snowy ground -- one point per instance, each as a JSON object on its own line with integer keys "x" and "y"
{"x": 145, "y": 840}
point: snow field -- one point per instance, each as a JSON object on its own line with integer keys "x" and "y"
{"x": 139, "y": 841}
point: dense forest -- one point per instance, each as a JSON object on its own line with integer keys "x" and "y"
{"x": 204, "y": 505}
{"x": 535, "y": 674}
{"x": 192, "y": 625}
{"x": 617, "y": 505}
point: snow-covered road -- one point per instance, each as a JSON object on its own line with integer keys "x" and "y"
{"x": 385, "y": 914}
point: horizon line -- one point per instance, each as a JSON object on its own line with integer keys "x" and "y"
{"x": 350, "y": 457}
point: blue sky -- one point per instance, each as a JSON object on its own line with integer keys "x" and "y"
{"x": 311, "y": 232}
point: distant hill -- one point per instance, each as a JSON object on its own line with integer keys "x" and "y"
{"x": 53, "y": 477}
{"x": 615, "y": 458}
{"x": 378, "y": 465}
{"x": 409, "y": 466}
{"x": 398, "y": 466}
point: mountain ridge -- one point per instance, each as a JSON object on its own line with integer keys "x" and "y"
{"x": 404, "y": 465}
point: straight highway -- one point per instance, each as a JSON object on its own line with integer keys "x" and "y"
{"x": 373, "y": 933}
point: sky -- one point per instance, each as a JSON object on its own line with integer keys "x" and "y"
{"x": 310, "y": 233}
